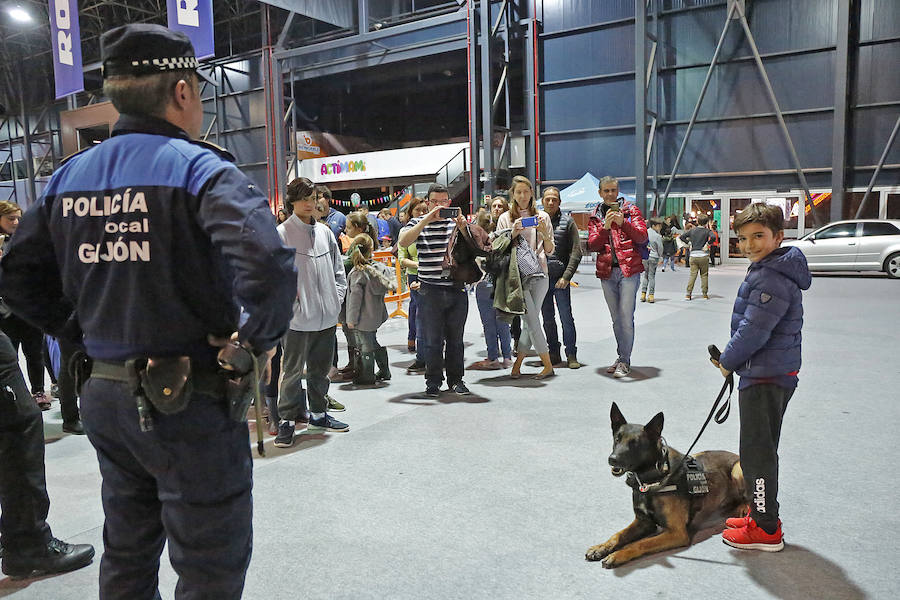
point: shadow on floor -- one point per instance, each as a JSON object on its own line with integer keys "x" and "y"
{"x": 797, "y": 573}
{"x": 8, "y": 586}
{"x": 302, "y": 441}
{"x": 637, "y": 374}
{"x": 446, "y": 397}
{"x": 505, "y": 380}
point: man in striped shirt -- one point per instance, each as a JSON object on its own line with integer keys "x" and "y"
{"x": 444, "y": 302}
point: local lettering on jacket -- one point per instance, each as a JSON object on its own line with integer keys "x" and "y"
{"x": 119, "y": 249}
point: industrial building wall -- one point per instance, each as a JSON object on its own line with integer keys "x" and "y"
{"x": 587, "y": 91}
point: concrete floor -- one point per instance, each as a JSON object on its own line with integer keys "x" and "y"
{"x": 499, "y": 495}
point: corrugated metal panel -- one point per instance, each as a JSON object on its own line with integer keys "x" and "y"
{"x": 600, "y": 104}
{"x": 878, "y": 74}
{"x": 777, "y": 26}
{"x": 749, "y": 145}
{"x": 566, "y": 14}
{"x": 737, "y": 88}
{"x": 571, "y": 156}
{"x": 677, "y": 4}
{"x": 593, "y": 53}
{"x": 871, "y": 128}
{"x": 879, "y": 19}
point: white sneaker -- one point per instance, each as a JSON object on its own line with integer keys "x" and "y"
{"x": 622, "y": 370}
{"x": 612, "y": 368}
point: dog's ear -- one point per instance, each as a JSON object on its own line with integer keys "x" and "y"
{"x": 615, "y": 416}
{"x": 654, "y": 427}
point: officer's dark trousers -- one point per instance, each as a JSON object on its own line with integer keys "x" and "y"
{"x": 762, "y": 409}
{"x": 187, "y": 481}
{"x": 23, "y": 489}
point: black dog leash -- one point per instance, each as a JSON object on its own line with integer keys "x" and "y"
{"x": 721, "y": 412}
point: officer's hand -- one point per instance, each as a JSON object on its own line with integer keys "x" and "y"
{"x": 350, "y": 326}
{"x": 562, "y": 284}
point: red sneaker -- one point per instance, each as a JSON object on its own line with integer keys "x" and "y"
{"x": 738, "y": 522}
{"x": 753, "y": 537}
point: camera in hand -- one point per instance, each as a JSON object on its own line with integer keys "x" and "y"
{"x": 615, "y": 207}
{"x": 449, "y": 212}
{"x": 530, "y": 221}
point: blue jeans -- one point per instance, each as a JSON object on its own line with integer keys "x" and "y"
{"x": 494, "y": 328}
{"x": 669, "y": 260}
{"x": 621, "y": 295}
{"x": 415, "y": 324}
{"x": 443, "y": 311}
{"x": 563, "y": 299}
{"x": 648, "y": 277}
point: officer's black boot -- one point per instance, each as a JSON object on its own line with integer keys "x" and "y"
{"x": 54, "y": 557}
{"x": 365, "y": 371}
{"x": 384, "y": 368}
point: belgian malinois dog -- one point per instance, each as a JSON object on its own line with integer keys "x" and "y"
{"x": 670, "y": 501}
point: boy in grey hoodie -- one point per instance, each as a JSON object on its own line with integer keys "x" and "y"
{"x": 655, "y": 245}
{"x": 309, "y": 342}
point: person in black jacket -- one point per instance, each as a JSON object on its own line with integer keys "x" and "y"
{"x": 152, "y": 249}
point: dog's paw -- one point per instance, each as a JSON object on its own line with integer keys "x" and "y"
{"x": 613, "y": 560}
{"x": 596, "y": 552}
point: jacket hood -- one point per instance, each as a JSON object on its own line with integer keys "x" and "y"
{"x": 791, "y": 263}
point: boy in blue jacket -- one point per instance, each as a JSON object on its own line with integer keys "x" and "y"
{"x": 765, "y": 351}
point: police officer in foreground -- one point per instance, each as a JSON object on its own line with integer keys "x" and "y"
{"x": 158, "y": 248}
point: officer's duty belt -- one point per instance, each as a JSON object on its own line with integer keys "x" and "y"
{"x": 204, "y": 381}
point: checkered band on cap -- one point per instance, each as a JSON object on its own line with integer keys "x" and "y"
{"x": 168, "y": 64}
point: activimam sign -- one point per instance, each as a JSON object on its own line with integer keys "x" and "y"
{"x": 343, "y": 167}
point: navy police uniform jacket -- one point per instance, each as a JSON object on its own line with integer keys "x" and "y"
{"x": 154, "y": 241}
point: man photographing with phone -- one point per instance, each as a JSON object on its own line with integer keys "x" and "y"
{"x": 615, "y": 230}
{"x": 444, "y": 302}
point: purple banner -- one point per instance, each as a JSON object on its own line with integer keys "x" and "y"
{"x": 195, "y": 19}
{"x": 65, "y": 36}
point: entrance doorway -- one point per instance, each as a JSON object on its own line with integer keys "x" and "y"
{"x": 723, "y": 208}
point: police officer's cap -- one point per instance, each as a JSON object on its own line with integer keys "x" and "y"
{"x": 146, "y": 49}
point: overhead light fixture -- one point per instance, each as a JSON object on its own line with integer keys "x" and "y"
{"x": 19, "y": 14}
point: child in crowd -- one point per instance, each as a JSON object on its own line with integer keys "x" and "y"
{"x": 366, "y": 311}
{"x": 765, "y": 351}
{"x": 655, "y": 245}
{"x": 357, "y": 223}
{"x": 669, "y": 233}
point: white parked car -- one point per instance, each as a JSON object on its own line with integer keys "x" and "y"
{"x": 858, "y": 245}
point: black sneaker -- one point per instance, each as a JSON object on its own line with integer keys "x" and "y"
{"x": 416, "y": 368}
{"x": 326, "y": 423}
{"x": 459, "y": 388}
{"x": 285, "y": 437}
{"x": 74, "y": 427}
{"x": 432, "y": 392}
{"x": 56, "y": 557}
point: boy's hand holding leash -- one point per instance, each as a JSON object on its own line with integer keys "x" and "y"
{"x": 714, "y": 355}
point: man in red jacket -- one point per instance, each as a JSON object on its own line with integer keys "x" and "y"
{"x": 616, "y": 231}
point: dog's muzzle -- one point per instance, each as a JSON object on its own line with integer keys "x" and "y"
{"x": 616, "y": 470}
